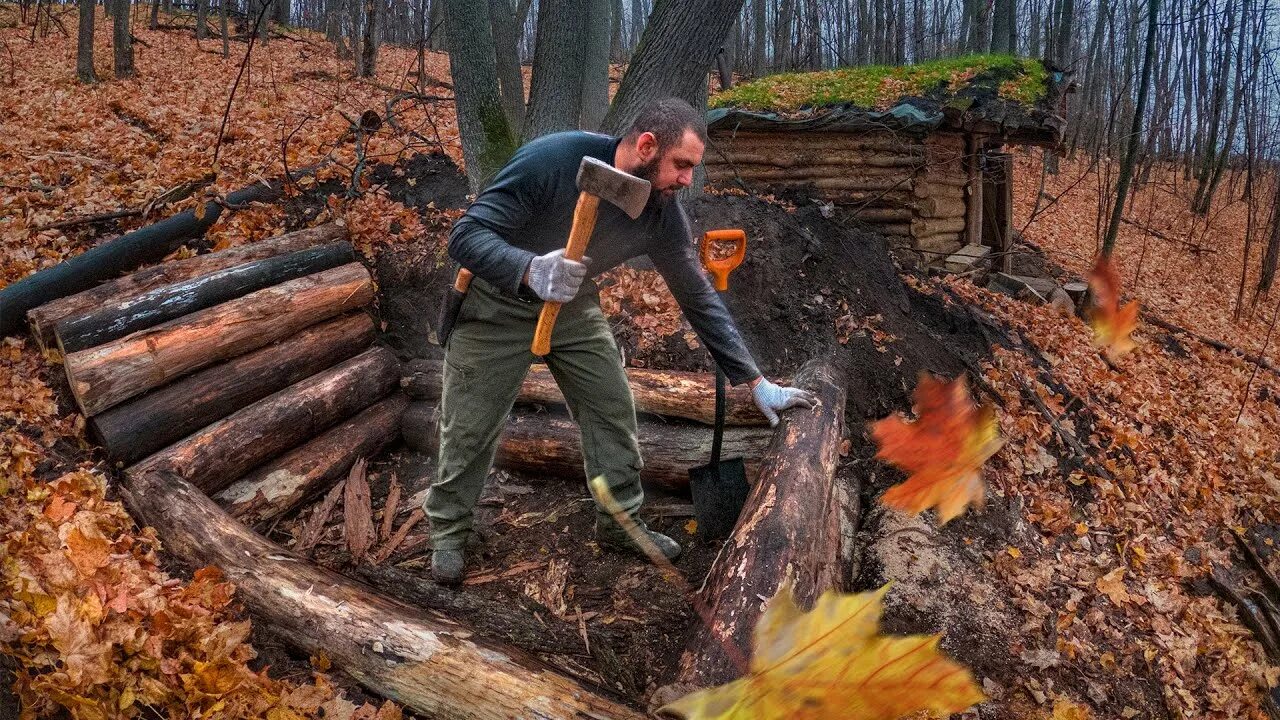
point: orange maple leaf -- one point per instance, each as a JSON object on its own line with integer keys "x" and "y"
{"x": 942, "y": 451}
{"x": 1112, "y": 324}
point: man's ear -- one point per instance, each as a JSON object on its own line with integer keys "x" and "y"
{"x": 647, "y": 146}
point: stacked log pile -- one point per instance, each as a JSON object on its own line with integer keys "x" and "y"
{"x": 212, "y": 366}
{"x": 916, "y": 191}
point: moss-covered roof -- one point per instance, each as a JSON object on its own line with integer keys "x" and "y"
{"x": 996, "y": 94}
{"x": 882, "y": 86}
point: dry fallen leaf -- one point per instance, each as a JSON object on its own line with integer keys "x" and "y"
{"x": 942, "y": 451}
{"x": 1112, "y": 324}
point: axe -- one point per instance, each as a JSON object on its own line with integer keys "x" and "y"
{"x": 596, "y": 180}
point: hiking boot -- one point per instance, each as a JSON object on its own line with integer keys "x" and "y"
{"x": 611, "y": 535}
{"x": 447, "y": 567}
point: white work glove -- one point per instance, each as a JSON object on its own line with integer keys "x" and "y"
{"x": 555, "y": 278}
{"x": 772, "y": 399}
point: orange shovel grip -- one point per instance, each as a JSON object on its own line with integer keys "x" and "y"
{"x": 721, "y": 268}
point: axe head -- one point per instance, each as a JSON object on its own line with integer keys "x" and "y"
{"x": 607, "y": 182}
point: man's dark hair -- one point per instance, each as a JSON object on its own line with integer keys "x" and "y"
{"x": 667, "y": 119}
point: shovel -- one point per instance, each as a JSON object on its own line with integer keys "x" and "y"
{"x": 719, "y": 488}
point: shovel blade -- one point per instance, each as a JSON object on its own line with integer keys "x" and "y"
{"x": 719, "y": 492}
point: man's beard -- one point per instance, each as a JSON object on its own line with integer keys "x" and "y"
{"x": 649, "y": 171}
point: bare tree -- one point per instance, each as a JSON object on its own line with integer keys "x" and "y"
{"x": 1135, "y": 135}
{"x": 502, "y": 21}
{"x": 555, "y": 92}
{"x": 121, "y": 40}
{"x": 84, "y": 44}
{"x": 487, "y": 139}
{"x": 595, "y": 63}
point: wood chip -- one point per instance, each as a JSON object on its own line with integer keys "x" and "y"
{"x": 517, "y": 569}
{"x": 389, "y": 509}
{"x": 357, "y": 511}
{"x": 391, "y": 545}
{"x": 313, "y": 528}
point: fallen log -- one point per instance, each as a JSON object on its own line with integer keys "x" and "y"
{"x": 308, "y": 470}
{"x": 548, "y": 444}
{"x": 109, "y": 374}
{"x": 215, "y": 456}
{"x": 431, "y": 665}
{"x": 115, "y": 320}
{"x": 120, "y": 255}
{"x": 790, "y": 528}
{"x": 670, "y": 393}
{"x": 44, "y": 318}
{"x": 132, "y": 430}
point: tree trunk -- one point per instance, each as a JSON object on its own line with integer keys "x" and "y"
{"x": 202, "y": 19}
{"x": 507, "y": 54}
{"x": 121, "y": 254}
{"x": 550, "y": 445}
{"x": 107, "y": 375}
{"x": 373, "y": 11}
{"x": 155, "y": 15}
{"x": 436, "y": 669}
{"x": 44, "y": 318}
{"x": 115, "y": 320}
{"x": 84, "y": 43}
{"x": 131, "y": 431}
{"x": 674, "y": 57}
{"x": 226, "y": 34}
{"x": 1135, "y": 133}
{"x": 215, "y": 456}
{"x": 297, "y": 476}
{"x": 1271, "y": 257}
{"x": 121, "y": 40}
{"x": 595, "y": 63}
{"x": 758, "y": 42}
{"x": 1001, "y": 25}
{"x": 670, "y": 393}
{"x": 487, "y": 139}
{"x": 555, "y": 92}
{"x": 790, "y": 529}
{"x": 782, "y": 35}
{"x": 281, "y": 9}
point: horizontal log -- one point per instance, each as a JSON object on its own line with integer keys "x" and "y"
{"x": 121, "y": 254}
{"x": 744, "y": 160}
{"x": 109, "y": 374}
{"x": 941, "y": 207}
{"x": 924, "y": 227}
{"x": 813, "y": 141}
{"x": 309, "y": 469}
{"x": 816, "y": 173}
{"x": 217, "y": 455}
{"x": 435, "y": 667}
{"x": 135, "y": 429}
{"x": 883, "y": 215}
{"x": 550, "y": 445}
{"x": 115, "y": 320}
{"x": 790, "y": 530}
{"x": 856, "y": 183}
{"x": 44, "y": 318}
{"x": 940, "y": 245}
{"x": 671, "y": 393}
{"x": 925, "y": 190}
{"x": 953, "y": 180}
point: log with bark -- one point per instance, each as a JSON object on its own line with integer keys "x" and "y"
{"x": 835, "y": 158}
{"x": 433, "y": 666}
{"x": 670, "y": 393}
{"x": 550, "y": 444}
{"x": 791, "y": 527}
{"x": 122, "y": 254}
{"x": 135, "y": 429}
{"x": 109, "y": 374}
{"x": 44, "y": 318}
{"x": 112, "y": 321}
{"x": 215, "y": 456}
{"x": 309, "y": 469}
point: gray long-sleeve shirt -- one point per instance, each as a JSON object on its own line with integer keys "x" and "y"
{"x": 528, "y": 209}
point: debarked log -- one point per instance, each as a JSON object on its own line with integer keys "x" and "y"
{"x": 431, "y": 665}
{"x": 790, "y": 528}
{"x": 549, "y": 444}
{"x": 670, "y": 393}
{"x": 217, "y": 455}
{"x": 109, "y": 374}
{"x": 135, "y": 429}
{"x": 43, "y": 319}
{"x": 309, "y": 469}
{"x": 114, "y": 320}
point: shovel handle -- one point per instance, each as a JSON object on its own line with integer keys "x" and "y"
{"x": 584, "y": 221}
{"x": 720, "y": 268}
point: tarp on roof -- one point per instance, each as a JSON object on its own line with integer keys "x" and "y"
{"x": 903, "y": 117}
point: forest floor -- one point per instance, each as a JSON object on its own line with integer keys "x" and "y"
{"x": 1074, "y": 593}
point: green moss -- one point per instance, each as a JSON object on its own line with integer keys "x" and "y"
{"x": 880, "y": 86}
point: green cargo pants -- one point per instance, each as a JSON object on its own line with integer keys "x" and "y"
{"x": 486, "y": 359}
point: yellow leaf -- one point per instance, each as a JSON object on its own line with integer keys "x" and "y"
{"x": 1112, "y": 584}
{"x": 1014, "y": 552}
{"x": 831, "y": 662}
{"x": 1066, "y": 709}
{"x": 1112, "y": 324}
{"x": 691, "y": 527}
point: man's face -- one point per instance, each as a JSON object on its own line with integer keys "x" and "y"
{"x": 671, "y": 171}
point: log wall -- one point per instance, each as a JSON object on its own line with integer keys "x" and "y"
{"x": 916, "y": 191}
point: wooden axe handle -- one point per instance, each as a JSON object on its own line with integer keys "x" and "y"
{"x": 584, "y": 221}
